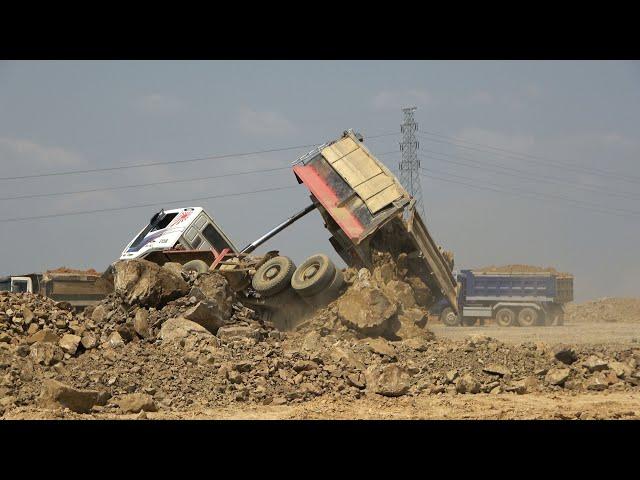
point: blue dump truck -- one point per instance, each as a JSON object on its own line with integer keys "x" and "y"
{"x": 523, "y": 299}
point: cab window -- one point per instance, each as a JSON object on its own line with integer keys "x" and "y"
{"x": 214, "y": 238}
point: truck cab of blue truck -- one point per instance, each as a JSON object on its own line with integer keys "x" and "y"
{"x": 511, "y": 299}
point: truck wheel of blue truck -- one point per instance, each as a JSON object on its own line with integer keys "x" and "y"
{"x": 527, "y": 317}
{"x": 273, "y": 276}
{"x": 449, "y": 317}
{"x": 505, "y": 317}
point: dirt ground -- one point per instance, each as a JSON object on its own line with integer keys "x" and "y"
{"x": 577, "y": 333}
{"x": 608, "y": 405}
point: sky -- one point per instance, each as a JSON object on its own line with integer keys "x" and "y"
{"x": 534, "y": 162}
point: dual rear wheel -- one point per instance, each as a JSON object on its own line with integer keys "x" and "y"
{"x": 317, "y": 278}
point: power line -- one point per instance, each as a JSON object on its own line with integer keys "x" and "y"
{"x": 172, "y": 162}
{"x": 527, "y": 175}
{"x": 151, "y": 184}
{"x": 532, "y": 194}
{"x": 141, "y": 185}
{"x": 535, "y": 159}
{"x": 128, "y": 207}
{"x": 153, "y": 164}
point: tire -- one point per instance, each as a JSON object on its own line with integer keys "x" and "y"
{"x": 273, "y": 276}
{"x": 548, "y": 317}
{"x": 449, "y": 317}
{"x": 469, "y": 321}
{"x": 330, "y": 293}
{"x": 313, "y": 276}
{"x": 505, "y": 317}
{"x": 527, "y": 317}
{"x": 199, "y": 266}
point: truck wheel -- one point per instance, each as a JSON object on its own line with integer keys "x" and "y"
{"x": 505, "y": 317}
{"x": 548, "y": 317}
{"x": 449, "y": 317}
{"x": 273, "y": 276}
{"x": 330, "y": 293}
{"x": 527, "y": 317}
{"x": 198, "y": 266}
{"x": 314, "y": 275}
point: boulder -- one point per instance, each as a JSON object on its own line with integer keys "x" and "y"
{"x": 345, "y": 355}
{"x": 27, "y": 316}
{"x": 421, "y": 291}
{"x": 409, "y": 324}
{"x": 56, "y": 394}
{"x": 381, "y": 347}
{"x": 622, "y": 370}
{"x": 557, "y": 376}
{"x": 43, "y": 336}
{"x": 564, "y": 354}
{"x": 214, "y": 287}
{"x": 595, "y": 364}
{"x": 89, "y": 340}
{"x": 115, "y": 340}
{"x": 136, "y": 402}
{"x": 69, "y": 343}
{"x": 417, "y": 343}
{"x": 390, "y": 380}
{"x": 384, "y": 273}
{"x": 46, "y": 353}
{"x": 230, "y": 333}
{"x": 176, "y": 329}
{"x": 366, "y": 310}
{"x": 140, "y": 282}
{"x": 467, "y": 383}
{"x": 173, "y": 267}
{"x": 597, "y": 382}
{"x": 207, "y": 314}
{"x": 141, "y": 323}
{"x": 400, "y": 293}
{"x": 496, "y": 369}
{"x": 127, "y": 332}
{"x": 99, "y": 314}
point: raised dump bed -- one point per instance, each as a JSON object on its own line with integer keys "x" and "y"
{"x": 366, "y": 209}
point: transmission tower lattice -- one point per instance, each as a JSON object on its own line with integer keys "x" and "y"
{"x": 410, "y": 164}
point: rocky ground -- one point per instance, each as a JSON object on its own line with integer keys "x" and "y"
{"x": 171, "y": 345}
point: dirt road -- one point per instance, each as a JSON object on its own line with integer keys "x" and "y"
{"x": 578, "y": 333}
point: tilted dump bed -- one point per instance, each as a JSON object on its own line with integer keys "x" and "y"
{"x": 362, "y": 204}
{"x": 518, "y": 286}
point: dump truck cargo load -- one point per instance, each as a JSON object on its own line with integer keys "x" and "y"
{"x": 366, "y": 209}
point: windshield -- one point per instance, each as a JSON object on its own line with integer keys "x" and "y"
{"x": 157, "y": 223}
{"x": 19, "y": 286}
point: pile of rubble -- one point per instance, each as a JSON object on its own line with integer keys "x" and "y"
{"x": 169, "y": 340}
{"x": 623, "y": 310}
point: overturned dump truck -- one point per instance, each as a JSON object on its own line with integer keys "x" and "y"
{"x": 365, "y": 209}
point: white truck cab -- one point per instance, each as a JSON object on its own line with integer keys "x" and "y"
{"x": 16, "y": 284}
{"x": 189, "y": 228}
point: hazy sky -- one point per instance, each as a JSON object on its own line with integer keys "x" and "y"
{"x": 60, "y": 116}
